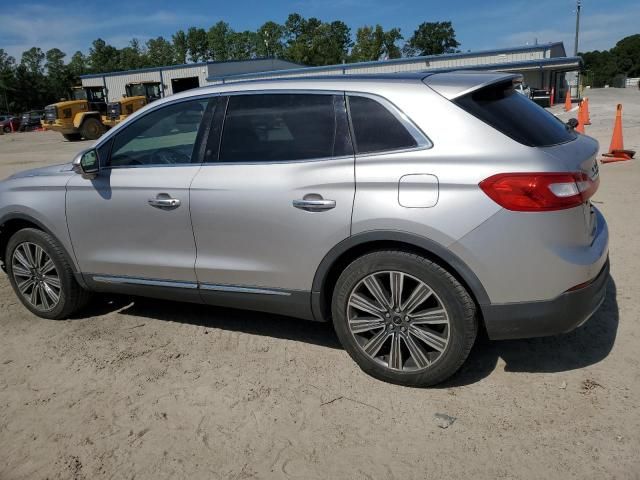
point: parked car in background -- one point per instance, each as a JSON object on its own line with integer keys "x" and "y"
{"x": 9, "y": 123}
{"x": 31, "y": 120}
{"x": 411, "y": 210}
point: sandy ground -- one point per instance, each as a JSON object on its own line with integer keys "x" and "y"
{"x": 146, "y": 389}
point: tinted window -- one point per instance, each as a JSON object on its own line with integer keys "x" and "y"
{"x": 278, "y": 127}
{"x": 376, "y": 128}
{"x": 516, "y": 116}
{"x": 163, "y": 137}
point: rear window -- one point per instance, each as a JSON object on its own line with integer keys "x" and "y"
{"x": 376, "y": 129}
{"x": 516, "y": 116}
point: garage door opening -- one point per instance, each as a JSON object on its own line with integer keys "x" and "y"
{"x": 181, "y": 84}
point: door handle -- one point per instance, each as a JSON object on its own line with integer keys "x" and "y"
{"x": 314, "y": 205}
{"x": 164, "y": 201}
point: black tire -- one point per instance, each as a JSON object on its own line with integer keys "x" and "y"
{"x": 92, "y": 128}
{"x": 72, "y": 297}
{"x": 7, "y": 129}
{"x": 72, "y": 137}
{"x": 460, "y": 311}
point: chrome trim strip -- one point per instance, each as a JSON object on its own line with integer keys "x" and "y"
{"x": 141, "y": 281}
{"x": 188, "y": 285}
{"x": 233, "y": 289}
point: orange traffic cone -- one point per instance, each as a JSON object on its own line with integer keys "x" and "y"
{"x": 580, "y": 126}
{"x": 551, "y": 96}
{"x": 567, "y": 101}
{"x": 617, "y": 153}
{"x": 587, "y": 117}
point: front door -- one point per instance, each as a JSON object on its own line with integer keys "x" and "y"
{"x": 132, "y": 221}
{"x": 277, "y": 197}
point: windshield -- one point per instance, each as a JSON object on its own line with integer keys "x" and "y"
{"x": 79, "y": 94}
{"x": 135, "y": 90}
{"x": 148, "y": 90}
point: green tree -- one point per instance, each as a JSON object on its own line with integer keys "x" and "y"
{"x": 78, "y": 65}
{"x": 133, "y": 56}
{"x": 33, "y": 61}
{"x": 7, "y": 80}
{"x": 627, "y": 53}
{"x": 242, "y": 45}
{"x": 160, "y": 52}
{"x": 197, "y": 44}
{"x": 180, "y": 46}
{"x": 432, "y": 38}
{"x": 59, "y": 77}
{"x": 103, "y": 57}
{"x": 270, "y": 40}
{"x": 373, "y": 43}
{"x": 313, "y": 42}
{"x": 218, "y": 41}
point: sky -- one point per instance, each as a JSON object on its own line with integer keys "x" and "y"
{"x": 479, "y": 24}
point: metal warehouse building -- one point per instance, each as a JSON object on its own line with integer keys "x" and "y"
{"x": 177, "y": 78}
{"x": 542, "y": 65}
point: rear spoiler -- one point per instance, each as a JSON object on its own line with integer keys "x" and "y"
{"x": 452, "y": 85}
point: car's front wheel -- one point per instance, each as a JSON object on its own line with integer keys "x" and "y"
{"x": 403, "y": 318}
{"x": 41, "y": 275}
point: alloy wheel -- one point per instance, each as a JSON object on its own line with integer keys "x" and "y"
{"x": 36, "y": 276}
{"x": 398, "y": 321}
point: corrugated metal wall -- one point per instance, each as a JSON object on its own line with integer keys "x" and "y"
{"x": 200, "y": 71}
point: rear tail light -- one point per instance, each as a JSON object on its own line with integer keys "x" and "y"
{"x": 539, "y": 192}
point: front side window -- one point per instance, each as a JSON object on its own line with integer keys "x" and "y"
{"x": 279, "y": 127}
{"x": 164, "y": 136}
{"x": 375, "y": 128}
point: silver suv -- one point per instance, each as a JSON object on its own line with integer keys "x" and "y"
{"x": 410, "y": 210}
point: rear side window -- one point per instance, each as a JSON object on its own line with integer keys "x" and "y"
{"x": 515, "y": 115}
{"x": 375, "y": 128}
{"x": 279, "y": 127}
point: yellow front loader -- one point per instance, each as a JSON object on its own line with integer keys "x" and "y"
{"x": 137, "y": 96}
{"x": 80, "y": 117}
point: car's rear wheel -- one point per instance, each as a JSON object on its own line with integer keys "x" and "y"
{"x": 7, "y": 129}
{"x": 41, "y": 276}
{"x": 403, "y": 318}
{"x": 92, "y": 128}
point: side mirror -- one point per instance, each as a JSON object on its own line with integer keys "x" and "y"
{"x": 86, "y": 164}
{"x": 572, "y": 123}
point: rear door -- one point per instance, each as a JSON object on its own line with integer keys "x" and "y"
{"x": 275, "y": 193}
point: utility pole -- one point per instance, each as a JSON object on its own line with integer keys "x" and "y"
{"x": 578, "y": 7}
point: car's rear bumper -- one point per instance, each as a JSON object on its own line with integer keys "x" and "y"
{"x": 544, "y": 318}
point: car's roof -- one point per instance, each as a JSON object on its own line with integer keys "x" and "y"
{"x": 450, "y": 84}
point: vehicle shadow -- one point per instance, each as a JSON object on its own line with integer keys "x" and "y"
{"x": 255, "y": 323}
{"x": 585, "y": 346}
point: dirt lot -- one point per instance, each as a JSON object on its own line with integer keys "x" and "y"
{"x": 146, "y": 389}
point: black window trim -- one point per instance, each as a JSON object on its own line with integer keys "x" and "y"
{"x": 423, "y": 142}
{"x": 205, "y": 125}
{"x": 341, "y": 120}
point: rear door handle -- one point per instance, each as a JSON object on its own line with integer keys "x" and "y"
{"x": 315, "y": 205}
{"x": 163, "y": 200}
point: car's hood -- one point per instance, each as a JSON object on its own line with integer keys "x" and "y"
{"x": 64, "y": 169}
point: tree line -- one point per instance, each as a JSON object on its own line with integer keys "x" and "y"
{"x": 604, "y": 67}
{"x": 40, "y": 78}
